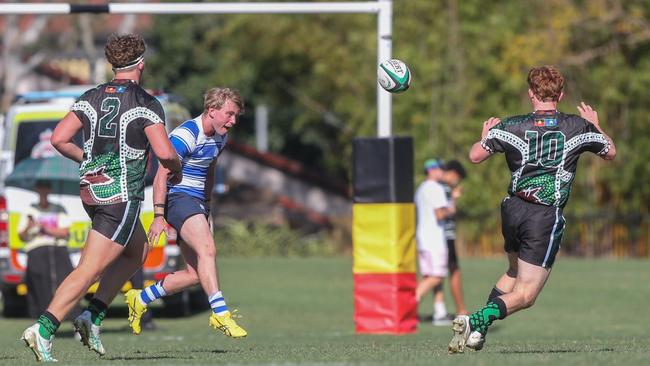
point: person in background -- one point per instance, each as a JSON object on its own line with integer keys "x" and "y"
{"x": 44, "y": 230}
{"x": 432, "y": 209}
{"x": 452, "y": 176}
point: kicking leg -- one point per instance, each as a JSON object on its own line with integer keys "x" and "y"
{"x": 138, "y": 300}
{"x": 180, "y": 280}
{"x": 529, "y": 283}
{"x": 506, "y": 282}
{"x": 198, "y": 236}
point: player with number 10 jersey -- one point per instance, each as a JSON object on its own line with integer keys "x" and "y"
{"x": 542, "y": 150}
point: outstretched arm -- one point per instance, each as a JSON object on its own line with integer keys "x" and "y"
{"x": 588, "y": 113}
{"x": 63, "y": 135}
{"x": 478, "y": 153}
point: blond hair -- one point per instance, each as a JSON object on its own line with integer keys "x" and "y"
{"x": 217, "y": 97}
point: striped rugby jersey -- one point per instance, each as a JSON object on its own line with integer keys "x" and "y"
{"x": 196, "y": 151}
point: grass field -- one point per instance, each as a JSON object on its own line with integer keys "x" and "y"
{"x": 299, "y": 311}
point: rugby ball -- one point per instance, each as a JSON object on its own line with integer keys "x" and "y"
{"x": 394, "y": 76}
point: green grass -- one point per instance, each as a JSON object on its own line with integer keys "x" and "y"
{"x": 299, "y": 311}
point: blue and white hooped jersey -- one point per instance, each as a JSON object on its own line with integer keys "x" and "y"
{"x": 196, "y": 151}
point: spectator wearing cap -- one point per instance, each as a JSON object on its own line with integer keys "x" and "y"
{"x": 433, "y": 208}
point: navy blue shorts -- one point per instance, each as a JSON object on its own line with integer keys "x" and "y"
{"x": 180, "y": 207}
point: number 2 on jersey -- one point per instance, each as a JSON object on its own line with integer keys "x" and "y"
{"x": 108, "y": 127}
{"x": 549, "y": 151}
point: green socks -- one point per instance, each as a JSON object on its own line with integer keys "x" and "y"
{"x": 482, "y": 319}
{"x": 97, "y": 311}
{"x": 48, "y": 324}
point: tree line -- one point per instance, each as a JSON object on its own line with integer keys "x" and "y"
{"x": 469, "y": 60}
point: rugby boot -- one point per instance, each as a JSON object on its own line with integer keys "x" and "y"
{"x": 89, "y": 333}
{"x": 462, "y": 331}
{"x": 227, "y": 325}
{"x": 41, "y": 347}
{"x": 136, "y": 309}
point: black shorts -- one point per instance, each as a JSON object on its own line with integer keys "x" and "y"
{"x": 452, "y": 260}
{"x": 116, "y": 222}
{"x": 180, "y": 207}
{"x": 533, "y": 230}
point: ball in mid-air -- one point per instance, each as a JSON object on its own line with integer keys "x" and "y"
{"x": 394, "y": 76}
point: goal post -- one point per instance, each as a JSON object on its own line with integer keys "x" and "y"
{"x": 382, "y": 8}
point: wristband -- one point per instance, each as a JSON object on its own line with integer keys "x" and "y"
{"x": 158, "y": 215}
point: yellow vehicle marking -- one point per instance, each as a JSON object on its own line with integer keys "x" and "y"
{"x": 78, "y": 231}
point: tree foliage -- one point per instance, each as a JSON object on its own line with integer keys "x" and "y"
{"x": 469, "y": 61}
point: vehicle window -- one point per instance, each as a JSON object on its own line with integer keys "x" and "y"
{"x": 33, "y": 133}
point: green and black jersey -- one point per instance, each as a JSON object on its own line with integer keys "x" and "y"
{"x": 542, "y": 151}
{"x": 116, "y": 149}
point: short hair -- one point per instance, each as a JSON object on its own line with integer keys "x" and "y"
{"x": 432, "y": 164}
{"x": 546, "y": 82}
{"x": 217, "y": 97}
{"x": 455, "y": 166}
{"x": 125, "y": 50}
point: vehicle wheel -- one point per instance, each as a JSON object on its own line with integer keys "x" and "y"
{"x": 13, "y": 305}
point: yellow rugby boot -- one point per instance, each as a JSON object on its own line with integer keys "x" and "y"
{"x": 136, "y": 309}
{"x": 227, "y": 325}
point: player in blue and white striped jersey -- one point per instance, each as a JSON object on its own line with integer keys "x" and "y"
{"x": 198, "y": 152}
{"x": 186, "y": 206}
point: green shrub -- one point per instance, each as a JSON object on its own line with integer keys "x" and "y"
{"x": 239, "y": 238}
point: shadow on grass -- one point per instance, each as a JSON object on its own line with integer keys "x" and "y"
{"x": 556, "y": 351}
{"x": 70, "y": 333}
{"x": 138, "y": 355}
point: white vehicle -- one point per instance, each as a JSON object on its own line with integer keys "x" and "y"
{"x": 27, "y": 129}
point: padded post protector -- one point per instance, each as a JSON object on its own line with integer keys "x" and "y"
{"x": 384, "y": 238}
{"x": 385, "y": 303}
{"x": 383, "y": 170}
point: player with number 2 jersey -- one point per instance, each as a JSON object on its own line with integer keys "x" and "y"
{"x": 114, "y": 116}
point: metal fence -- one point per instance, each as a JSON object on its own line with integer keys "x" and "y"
{"x": 599, "y": 235}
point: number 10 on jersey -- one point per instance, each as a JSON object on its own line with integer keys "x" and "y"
{"x": 547, "y": 151}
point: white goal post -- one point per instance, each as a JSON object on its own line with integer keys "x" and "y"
{"x": 383, "y": 9}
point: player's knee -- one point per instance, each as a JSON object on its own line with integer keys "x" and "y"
{"x": 194, "y": 278}
{"x": 88, "y": 273}
{"x": 208, "y": 251}
{"x": 529, "y": 300}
